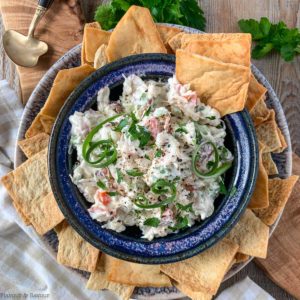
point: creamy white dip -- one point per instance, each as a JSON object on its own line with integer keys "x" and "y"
{"x": 161, "y": 126}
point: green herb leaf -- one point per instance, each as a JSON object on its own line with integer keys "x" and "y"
{"x": 192, "y": 14}
{"x": 158, "y": 153}
{"x": 182, "y": 222}
{"x": 121, "y": 125}
{"x": 223, "y": 189}
{"x": 211, "y": 118}
{"x": 181, "y": 130}
{"x": 147, "y": 156}
{"x": 119, "y": 175}
{"x": 152, "y": 222}
{"x": 101, "y": 185}
{"x": 134, "y": 172}
{"x": 148, "y": 111}
{"x": 184, "y": 12}
{"x": 188, "y": 207}
{"x": 138, "y": 132}
{"x": 270, "y": 37}
{"x": 261, "y": 50}
{"x": 113, "y": 193}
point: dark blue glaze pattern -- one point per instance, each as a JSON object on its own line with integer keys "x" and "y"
{"x": 173, "y": 247}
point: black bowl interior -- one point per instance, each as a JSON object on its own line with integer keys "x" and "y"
{"x": 133, "y": 232}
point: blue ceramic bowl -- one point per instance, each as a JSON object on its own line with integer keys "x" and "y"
{"x": 128, "y": 245}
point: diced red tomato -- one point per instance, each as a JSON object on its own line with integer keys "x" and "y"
{"x": 103, "y": 197}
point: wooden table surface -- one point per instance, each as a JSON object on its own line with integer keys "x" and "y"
{"x": 222, "y": 16}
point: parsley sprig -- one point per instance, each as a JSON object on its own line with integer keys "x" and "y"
{"x": 271, "y": 37}
{"x": 183, "y": 12}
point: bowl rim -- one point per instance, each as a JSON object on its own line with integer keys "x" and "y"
{"x": 85, "y": 84}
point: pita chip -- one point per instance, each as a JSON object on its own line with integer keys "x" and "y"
{"x": 251, "y": 234}
{"x": 64, "y": 84}
{"x": 74, "y": 251}
{"x": 240, "y": 257}
{"x": 269, "y": 164}
{"x": 34, "y": 145}
{"x": 166, "y": 34}
{"x": 205, "y": 271}
{"x": 175, "y": 41}
{"x": 192, "y": 294}
{"x": 21, "y": 214}
{"x": 100, "y": 57}
{"x": 260, "y": 196}
{"x": 134, "y": 34}
{"x": 279, "y": 193}
{"x": 83, "y": 55}
{"x": 267, "y": 134}
{"x": 221, "y": 85}
{"x": 245, "y": 38}
{"x": 124, "y": 272}
{"x": 29, "y": 187}
{"x": 235, "y": 51}
{"x": 35, "y": 128}
{"x": 260, "y": 113}
{"x": 93, "y": 39}
{"x": 47, "y": 123}
{"x": 282, "y": 141}
{"x": 256, "y": 92}
{"x": 98, "y": 281}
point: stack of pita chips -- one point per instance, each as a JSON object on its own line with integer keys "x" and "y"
{"x": 218, "y": 68}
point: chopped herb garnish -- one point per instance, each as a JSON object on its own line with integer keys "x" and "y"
{"x": 152, "y": 222}
{"x": 182, "y": 222}
{"x": 223, "y": 189}
{"x": 113, "y": 193}
{"x": 188, "y": 207}
{"x": 211, "y": 118}
{"x": 140, "y": 133}
{"x": 134, "y": 172}
{"x": 101, "y": 185}
{"x": 121, "y": 125}
{"x": 158, "y": 153}
{"x": 119, "y": 175}
{"x": 148, "y": 111}
{"x": 181, "y": 130}
{"x": 147, "y": 156}
{"x": 210, "y": 164}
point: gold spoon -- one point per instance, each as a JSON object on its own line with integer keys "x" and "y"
{"x": 26, "y": 50}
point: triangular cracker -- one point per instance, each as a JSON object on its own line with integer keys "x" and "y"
{"x": 260, "y": 196}
{"x": 235, "y": 51}
{"x": 74, "y": 251}
{"x": 205, "y": 271}
{"x": 279, "y": 193}
{"x": 124, "y": 272}
{"x": 222, "y": 86}
{"x": 29, "y": 187}
{"x": 256, "y": 92}
{"x": 34, "y": 145}
{"x": 134, "y": 34}
{"x": 166, "y": 34}
{"x": 98, "y": 281}
{"x": 251, "y": 234}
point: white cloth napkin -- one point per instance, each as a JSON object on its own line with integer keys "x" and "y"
{"x": 27, "y": 271}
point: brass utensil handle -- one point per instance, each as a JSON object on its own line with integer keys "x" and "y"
{"x": 45, "y": 3}
{"x": 42, "y": 7}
